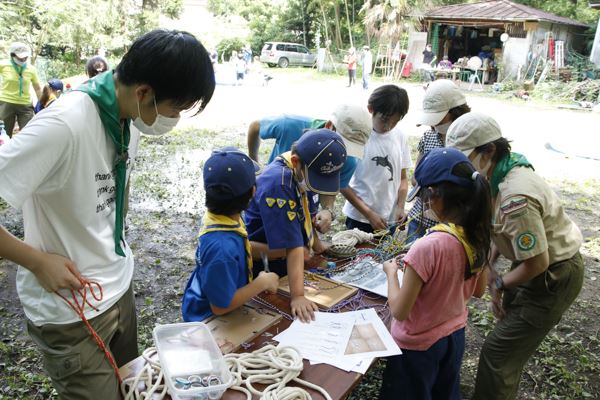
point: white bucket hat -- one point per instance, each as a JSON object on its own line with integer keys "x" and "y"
{"x": 440, "y": 96}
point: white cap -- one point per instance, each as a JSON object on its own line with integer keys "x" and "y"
{"x": 472, "y": 130}
{"x": 19, "y": 49}
{"x": 354, "y": 124}
{"x": 441, "y": 96}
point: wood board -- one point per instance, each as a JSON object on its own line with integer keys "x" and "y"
{"x": 332, "y": 292}
{"x": 241, "y": 326}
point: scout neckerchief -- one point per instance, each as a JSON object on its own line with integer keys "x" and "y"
{"x": 459, "y": 233}
{"x": 19, "y": 70}
{"x": 222, "y": 223}
{"x": 504, "y": 166}
{"x": 51, "y": 98}
{"x": 318, "y": 123}
{"x": 308, "y": 229}
{"x": 101, "y": 89}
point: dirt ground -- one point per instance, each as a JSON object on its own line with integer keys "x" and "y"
{"x": 167, "y": 203}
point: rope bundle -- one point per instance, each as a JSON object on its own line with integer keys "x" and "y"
{"x": 150, "y": 375}
{"x": 351, "y": 237}
{"x": 274, "y": 367}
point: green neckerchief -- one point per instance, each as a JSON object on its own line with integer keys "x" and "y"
{"x": 19, "y": 70}
{"x": 101, "y": 89}
{"x": 318, "y": 124}
{"x": 504, "y": 166}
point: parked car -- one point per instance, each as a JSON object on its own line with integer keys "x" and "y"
{"x": 285, "y": 54}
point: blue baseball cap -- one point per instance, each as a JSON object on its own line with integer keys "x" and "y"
{"x": 436, "y": 167}
{"x": 56, "y": 84}
{"x": 230, "y": 169}
{"x": 323, "y": 154}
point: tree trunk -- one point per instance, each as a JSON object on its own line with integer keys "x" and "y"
{"x": 338, "y": 31}
{"x": 325, "y": 23}
{"x": 302, "y": 8}
{"x": 348, "y": 21}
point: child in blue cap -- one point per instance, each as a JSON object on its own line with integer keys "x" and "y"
{"x": 442, "y": 270}
{"x": 222, "y": 280}
{"x": 279, "y": 218}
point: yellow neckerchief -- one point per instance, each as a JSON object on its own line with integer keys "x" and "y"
{"x": 308, "y": 229}
{"x": 51, "y": 98}
{"x": 222, "y": 223}
{"x": 459, "y": 233}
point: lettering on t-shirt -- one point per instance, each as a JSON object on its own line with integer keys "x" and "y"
{"x": 105, "y": 191}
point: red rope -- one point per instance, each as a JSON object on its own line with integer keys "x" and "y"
{"x": 79, "y": 308}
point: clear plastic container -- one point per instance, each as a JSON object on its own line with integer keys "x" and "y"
{"x": 192, "y": 362}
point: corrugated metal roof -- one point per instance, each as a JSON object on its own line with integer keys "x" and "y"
{"x": 499, "y": 10}
{"x": 595, "y": 4}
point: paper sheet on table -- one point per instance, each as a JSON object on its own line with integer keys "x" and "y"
{"x": 325, "y": 337}
{"x": 369, "y": 338}
{"x": 374, "y": 281}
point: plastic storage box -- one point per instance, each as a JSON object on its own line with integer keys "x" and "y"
{"x": 192, "y": 362}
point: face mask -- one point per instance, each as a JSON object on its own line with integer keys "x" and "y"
{"x": 429, "y": 213}
{"x": 483, "y": 170}
{"x": 442, "y": 129}
{"x": 160, "y": 126}
{"x": 19, "y": 62}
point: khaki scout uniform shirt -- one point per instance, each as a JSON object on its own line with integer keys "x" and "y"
{"x": 529, "y": 218}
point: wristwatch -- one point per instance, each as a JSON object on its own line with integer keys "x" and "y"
{"x": 499, "y": 282}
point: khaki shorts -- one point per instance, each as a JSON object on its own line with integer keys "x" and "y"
{"x": 11, "y": 113}
{"x": 73, "y": 360}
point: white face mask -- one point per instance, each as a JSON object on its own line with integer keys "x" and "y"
{"x": 483, "y": 169}
{"x": 160, "y": 126}
{"x": 19, "y": 62}
{"x": 429, "y": 213}
{"x": 443, "y": 128}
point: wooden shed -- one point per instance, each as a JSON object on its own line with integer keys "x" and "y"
{"x": 476, "y": 29}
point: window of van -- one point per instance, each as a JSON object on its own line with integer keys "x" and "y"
{"x": 280, "y": 47}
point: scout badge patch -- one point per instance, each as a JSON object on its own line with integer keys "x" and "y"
{"x": 526, "y": 241}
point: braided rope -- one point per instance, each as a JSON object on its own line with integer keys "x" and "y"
{"x": 152, "y": 377}
{"x": 274, "y": 367}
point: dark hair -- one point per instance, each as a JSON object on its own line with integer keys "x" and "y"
{"x": 472, "y": 209}
{"x": 174, "y": 63}
{"x": 46, "y": 91}
{"x": 502, "y": 146}
{"x": 459, "y": 111}
{"x": 389, "y": 100}
{"x": 216, "y": 204}
{"x": 91, "y": 66}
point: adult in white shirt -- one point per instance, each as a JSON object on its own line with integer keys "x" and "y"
{"x": 367, "y": 66}
{"x": 67, "y": 171}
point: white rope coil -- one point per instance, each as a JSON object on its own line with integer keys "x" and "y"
{"x": 274, "y": 367}
{"x": 150, "y": 375}
{"x": 351, "y": 237}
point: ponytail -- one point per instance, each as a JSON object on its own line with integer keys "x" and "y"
{"x": 46, "y": 91}
{"x": 471, "y": 207}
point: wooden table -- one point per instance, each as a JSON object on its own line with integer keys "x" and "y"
{"x": 337, "y": 383}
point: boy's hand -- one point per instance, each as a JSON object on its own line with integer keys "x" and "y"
{"x": 400, "y": 218}
{"x": 391, "y": 266}
{"x": 376, "y": 221}
{"x": 303, "y": 309}
{"x": 57, "y": 272}
{"x": 269, "y": 281}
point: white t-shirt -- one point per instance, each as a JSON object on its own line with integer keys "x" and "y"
{"x": 58, "y": 169}
{"x": 376, "y": 179}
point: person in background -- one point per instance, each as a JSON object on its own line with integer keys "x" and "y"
{"x": 442, "y": 271}
{"x": 376, "y": 195}
{"x": 442, "y": 104}
{"x": 16, "y": 78}
{"x": 367, "y": 66}
{"x": 445, "y": 63}
{"x": 222, "y": 280}
{"x": 351, "y": 121}
{"x": 214, "y": 57}
{"x": 428, "y": 59}
{"x": 96, "y": 65}
{"x": 531, "y": 229}
{"x": 240, "y": 68}
{"x": 51, "y": 91}
{"x": 279, "y": 218}
{"x": 351, "y": 61}
{"x": 67, "y": 170}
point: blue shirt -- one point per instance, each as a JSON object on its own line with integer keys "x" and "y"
{"x": 275, "y": 215}
{"x": 286, "y": 129}
{"x": 221, "y": 270}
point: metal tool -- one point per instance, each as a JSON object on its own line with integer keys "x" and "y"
{"x": 265, "y": 262}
